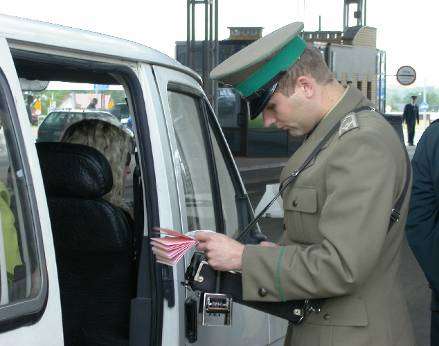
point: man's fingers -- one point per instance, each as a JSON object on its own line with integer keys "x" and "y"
{"x": 201, "y": 246}
{"x": 204, "y": 236}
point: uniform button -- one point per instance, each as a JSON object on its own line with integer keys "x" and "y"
{"x": 295, "y": 203}
{"x": 262, "y": 292}
{"x": 326, "y": 317}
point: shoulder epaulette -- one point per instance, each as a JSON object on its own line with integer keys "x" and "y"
{"x": 348, "y": 123}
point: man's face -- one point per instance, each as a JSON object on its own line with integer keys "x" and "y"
{"x": 294, "y": 113}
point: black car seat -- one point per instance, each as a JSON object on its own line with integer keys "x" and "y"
{"x": 93, "y": 245}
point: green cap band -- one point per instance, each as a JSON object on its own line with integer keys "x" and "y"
{"x": 286, "y": 57}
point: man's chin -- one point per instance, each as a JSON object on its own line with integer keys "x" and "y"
{"x": 295, "y": 132}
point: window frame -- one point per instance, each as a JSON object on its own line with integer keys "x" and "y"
{"x": 27, "y": 311}
{"x": 213, "y": 173}
{"x": 245, "y": 211}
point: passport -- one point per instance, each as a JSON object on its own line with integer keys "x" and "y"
{"x": 173, "y": 245}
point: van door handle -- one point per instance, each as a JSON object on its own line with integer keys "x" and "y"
{"x": 191, "y": 322}
{"x": 168, "y": 285}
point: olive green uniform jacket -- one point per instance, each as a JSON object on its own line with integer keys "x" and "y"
{"x": 336, "y": 243}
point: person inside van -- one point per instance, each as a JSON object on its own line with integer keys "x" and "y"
{"x": 115, "y": 143}
{"x": 10, "y": 240}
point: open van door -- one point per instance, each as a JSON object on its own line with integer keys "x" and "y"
{"x": 210, "y": 196}
{"x": 30, "y": 312}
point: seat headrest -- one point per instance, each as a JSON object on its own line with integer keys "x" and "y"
{"x": 74, "y": 170}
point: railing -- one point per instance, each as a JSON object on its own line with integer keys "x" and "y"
{"x": 326, "y": 36}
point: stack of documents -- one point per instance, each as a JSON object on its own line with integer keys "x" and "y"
{"x": 173, "y": 246}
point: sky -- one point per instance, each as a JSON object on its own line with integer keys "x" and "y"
{"x": 406, "y": 30}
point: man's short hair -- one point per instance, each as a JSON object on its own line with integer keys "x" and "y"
{"x": 414, "y": 97}
{"x": 310, "y": 63}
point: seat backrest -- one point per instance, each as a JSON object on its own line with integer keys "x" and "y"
{"x": 93, "y": 243}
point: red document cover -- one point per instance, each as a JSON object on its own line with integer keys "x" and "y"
{"x": 172, "y": 247}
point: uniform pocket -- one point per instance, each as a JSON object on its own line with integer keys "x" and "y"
{"x": 342, "y": 311}
{"x": 301, "y": 199}
{"x": 347, "y": 319}
{"x": 300, "y": 205}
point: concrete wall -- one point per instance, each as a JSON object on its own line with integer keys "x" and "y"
{"x": 366, "y": 37}
{"x": 357, "y": 66}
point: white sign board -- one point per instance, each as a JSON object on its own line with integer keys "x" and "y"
{"x": 406, "y": 75}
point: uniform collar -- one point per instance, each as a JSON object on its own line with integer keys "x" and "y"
{"x": 350, "y": 100}
{"x": 308, "y": 135}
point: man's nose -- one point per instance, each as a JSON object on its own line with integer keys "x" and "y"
{"x": 268, "y": 119}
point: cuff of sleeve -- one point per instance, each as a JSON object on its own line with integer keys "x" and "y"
{"x": 261, "y": 273}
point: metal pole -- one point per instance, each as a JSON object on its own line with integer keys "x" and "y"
{"x": 385, "y": 80}
{"x": 211, "y": 58}
{"x": 205, "y": 51}
{"x": 344, "y": 16}
{"x": 320, "y": 23}
{"x": 193, "y": 48}
{"x": 188, "y": 34}
{"x": 365, "y": 12}
{"x": 360, "y": 9}
{"x": 216, "y": 54}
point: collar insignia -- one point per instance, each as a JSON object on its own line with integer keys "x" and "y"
{"x": 348, "y": 123}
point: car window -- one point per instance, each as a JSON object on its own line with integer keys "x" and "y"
{"x": 62, "y": 118}
{"x": 192, "y": 158}
{"x": 53, "y": 109}
{"x": 227, "y": 188}
{"x": 20, "y": 267}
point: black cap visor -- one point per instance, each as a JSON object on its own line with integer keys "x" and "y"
{"x": 259, "y": 99}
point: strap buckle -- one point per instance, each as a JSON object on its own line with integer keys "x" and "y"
{"x": 395, "y": 215}
{"x": 307, "y": 307}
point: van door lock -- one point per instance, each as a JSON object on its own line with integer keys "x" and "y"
{"x": 217, "y": 309}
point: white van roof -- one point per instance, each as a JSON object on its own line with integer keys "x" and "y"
{"x": 21, "y": 30}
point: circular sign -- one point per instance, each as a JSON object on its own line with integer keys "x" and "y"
{"x": 406, "y": 75}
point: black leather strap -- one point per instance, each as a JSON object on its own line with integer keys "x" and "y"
{"x": 394, "y": 217}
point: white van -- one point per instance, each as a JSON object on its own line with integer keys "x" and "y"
{"x": 75, "y": 269}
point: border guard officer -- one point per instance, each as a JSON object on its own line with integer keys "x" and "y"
{"x": 339, "y": 241}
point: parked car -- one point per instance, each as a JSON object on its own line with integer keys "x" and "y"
{"x": 85, "y": 274}
{"x": 121, "y": 110}
{"x": 53, "y": 126}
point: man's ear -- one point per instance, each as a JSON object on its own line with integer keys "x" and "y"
{"x": 307, "y": 85}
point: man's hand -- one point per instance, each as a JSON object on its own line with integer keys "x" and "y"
{"x": 268, "y": 244}
{"x": 222, "y": 252}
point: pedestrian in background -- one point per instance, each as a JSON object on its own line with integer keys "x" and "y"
{"x": 411, "y": 117}
{"x": 423, "y": 218}
{"x": 93, "y": 103}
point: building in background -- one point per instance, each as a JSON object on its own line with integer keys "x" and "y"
{"x": 351, "y": 54}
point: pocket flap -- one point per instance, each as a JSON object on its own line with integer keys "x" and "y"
{"x": 343, "y": 311}
{"x": 303, "y": 199}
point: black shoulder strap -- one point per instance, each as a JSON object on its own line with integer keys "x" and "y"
{"x": 293, "y": 176}
{"x": 394, "y": 216}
